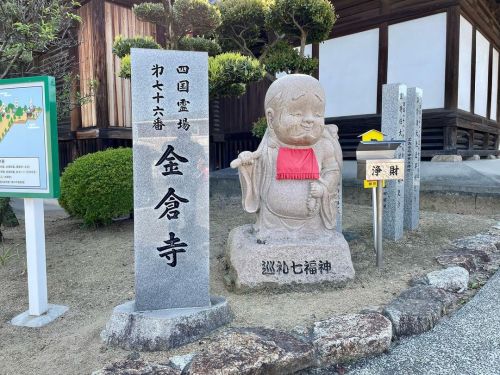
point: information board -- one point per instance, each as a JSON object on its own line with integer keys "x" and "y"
{"x": 29, "y": 162}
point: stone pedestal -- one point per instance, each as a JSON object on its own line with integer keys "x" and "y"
{"x": 163, "y": 329}
{"x": 279, "y": 263}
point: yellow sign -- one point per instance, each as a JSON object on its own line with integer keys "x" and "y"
{"x": 372, "y": 135}
{"x": 369, "y": 136}
{"x": 369, "y": 184}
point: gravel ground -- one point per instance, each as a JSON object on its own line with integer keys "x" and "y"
{"x": 91, "y": 271}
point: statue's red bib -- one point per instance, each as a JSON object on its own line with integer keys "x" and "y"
{"x": 297, "y": 164}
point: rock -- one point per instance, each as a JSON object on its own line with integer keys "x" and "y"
{"x": 452, "y": 279}
{"x": 471, "y": 260}
{"x": 131, "y": 367}
{"x": 346, "y": 338}
{"x": 474, "y": 157}
{"x": 285, "y": 263}
{"x": 485, "y": 242}
{"x": 418, "y": 309}
{"x": 446, "y": 158}
{"x": 491, "y": 157}
{"x": 179, "y": 362}
{"x": 243, "y": 351}
{"x": 372, "y": 309}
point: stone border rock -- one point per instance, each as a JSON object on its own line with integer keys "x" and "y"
{"x": 346, "y": 338}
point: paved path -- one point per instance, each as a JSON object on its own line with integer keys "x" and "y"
{"x": 468, "y": 343}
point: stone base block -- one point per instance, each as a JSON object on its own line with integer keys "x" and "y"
{"x": 446, "y": 158}
{"x": 283, "y": 263}
{"x": 27, "y": 320}
{"x": 163, "y": 329}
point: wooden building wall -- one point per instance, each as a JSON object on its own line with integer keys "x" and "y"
{"x": 115, "y": 20}
{"x": 445, "y": 130}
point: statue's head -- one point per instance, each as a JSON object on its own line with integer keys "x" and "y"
{"x": 295, "y": 109}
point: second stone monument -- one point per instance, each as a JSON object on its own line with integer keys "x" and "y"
{"x": 291, "y": 183}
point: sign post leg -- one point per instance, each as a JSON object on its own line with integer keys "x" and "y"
{"x": 35, "y": 254}
{"x": 374, "y": 205}
{"x": 380, "y": 207}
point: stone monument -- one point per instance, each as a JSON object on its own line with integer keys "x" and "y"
{"x": 413, "y": 152}
{"x": 291, "y": 183}
{"x": 393, "y": 127}
{"x": 171, "y": 225}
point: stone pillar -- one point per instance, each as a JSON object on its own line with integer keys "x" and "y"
{"x": 393, "y": 127}
{"x": 171, "y": 215}
{"x": 412, "y": 162}
{"x": 170, "y": 134}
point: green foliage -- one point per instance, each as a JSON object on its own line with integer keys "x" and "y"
{"x": 282, "y": 57}
{"x": 229, "y": 74}
{"x": 67, "y": 99}
{"x": 243, "y": 24}
{"x": 259, "y": 127}
{"x": 180, "y": 18}
{"x": 122, "y": 46}
{"x": 199, "y": 44}
{"x": 310, "y": 21}
{"x": 125, "y": 67}
{"x": 19, "y": 112}
{"x": 99, "y": 187}
{"x": 195, "y": 17}
{"x": 150, "y": 12}
{"x": 29, "y": 29}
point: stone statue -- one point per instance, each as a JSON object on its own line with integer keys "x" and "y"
{"x": 291, "y": 183}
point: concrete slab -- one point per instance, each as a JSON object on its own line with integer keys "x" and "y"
{"x": 27, "y": 320}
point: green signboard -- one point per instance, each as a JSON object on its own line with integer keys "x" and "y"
{"x": 29, "y": 162}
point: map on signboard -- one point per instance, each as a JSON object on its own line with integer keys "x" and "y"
{"x": 22, "y": 137}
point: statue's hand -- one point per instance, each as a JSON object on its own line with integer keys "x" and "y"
{"x": 317, "y": 190}
{"x": 245, "y": 158}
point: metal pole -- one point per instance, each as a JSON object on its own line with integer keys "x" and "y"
{"x": 35, "y": 254}
{"x": 374, "y": 205}
{"x": 380, "y": 207}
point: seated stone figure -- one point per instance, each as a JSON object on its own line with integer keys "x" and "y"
{"x": 291, "y": 183}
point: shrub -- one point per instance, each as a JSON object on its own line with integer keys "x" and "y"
{"x": 259, "y": 127}
{"x": 125, "y": 67}
{"x": 282, "y": 57}
{"x": 229, "y": 73}
{"x": 122, "y": 46}
{"x": 99, "y": 187}
{"x": 188, "y": 43}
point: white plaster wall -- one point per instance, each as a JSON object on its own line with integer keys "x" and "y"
{"x": 494, "y": 86}
{"x": 481, "y": 83}
{"x": 464, "y": 64}
{"x": 348, "y": 71}
{"x": 417, "y": 57}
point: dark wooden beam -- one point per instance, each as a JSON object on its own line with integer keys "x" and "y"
{"x": 383, "y": 43}
{"x": 99, "y": 63}
{"x": 452, "y": 55}
{"x": 490, "y": 81}
{"x": 315, "y": 55}
{"x": 473, "y": 71}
